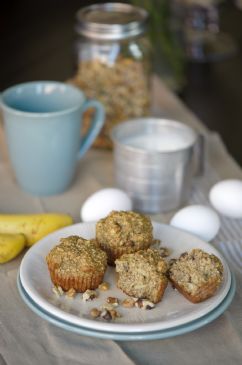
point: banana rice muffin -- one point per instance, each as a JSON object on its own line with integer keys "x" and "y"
{"x": 76, "y": 263}
{"x": 142, "y": 275}
{"x": 196, "y": 275}
{"x": 124, "y": 232}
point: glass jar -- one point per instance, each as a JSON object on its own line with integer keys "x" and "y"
{"x": 113, "y": 62}
{"x": 203, "y": 39}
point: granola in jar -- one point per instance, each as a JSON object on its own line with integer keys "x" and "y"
{"x": 113, "y": 63}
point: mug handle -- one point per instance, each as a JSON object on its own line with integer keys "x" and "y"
{"x": 96, "y": 124}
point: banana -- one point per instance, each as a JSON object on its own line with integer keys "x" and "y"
{"x": 33, "y": 226}
{"x": 10, "y": 246}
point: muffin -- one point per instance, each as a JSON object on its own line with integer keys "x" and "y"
{"x": 142, "y": 275}
{"x": 123, "y": 232}
{"x": 196, "y": 275}
{"x": 76, "y": 263}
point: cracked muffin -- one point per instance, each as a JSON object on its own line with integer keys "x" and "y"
{"x": 196, "y": 275}
{"x": 123, "y": 232}
{"x": 142, "y": 275}
{"x": 76, "y": 263}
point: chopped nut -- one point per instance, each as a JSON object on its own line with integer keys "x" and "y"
{"x": 95, "y": 313}
{"x": 128, "y": 303}
{"x": 110, "y": 314}
{"x": 71, "y": 293}
{"x": 57, "y": 290}
{"x": 144, "y": 304}
{"x": 89, "y": 295}
{"x": 112, "y": 300}
{"x": 107, "y": 306}
{"x": 104, "y": 286}
{"x": 106, "y": 315}
{"x": 139, "y": 303}
{"x": 114, "y": 314}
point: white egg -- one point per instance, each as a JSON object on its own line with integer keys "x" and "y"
{"x": 226, "y": 198}
{"x": 197, "y": 219}
{"x": 101, "y": 203}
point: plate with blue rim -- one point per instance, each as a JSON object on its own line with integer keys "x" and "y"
{"x": 174, "y": 310}
{"x": 131, "y": 336}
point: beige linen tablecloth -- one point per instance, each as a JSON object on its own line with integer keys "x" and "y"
{"x": 26, "y": 339}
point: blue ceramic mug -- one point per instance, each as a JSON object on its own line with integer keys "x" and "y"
{"x": 42, "y": 123}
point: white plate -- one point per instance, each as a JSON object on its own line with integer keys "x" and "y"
{"x": 173, "y": 310}
{"x": 129, "y": 336}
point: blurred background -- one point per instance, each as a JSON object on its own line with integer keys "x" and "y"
{"x": 196, "y": 52}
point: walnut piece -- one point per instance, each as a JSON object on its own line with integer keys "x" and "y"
{"x": 89, "y": 295}
{"x": 95, "y": 313}
{"x": 144, "y": 304}
{"x": 128, "y": 303}
{"x": 112, "y": 300}
{"x": 104, "y": 286}
{"x": 57, "y": 290}
{"x": 71, "y": 293}
{"x": 109, "y": 314}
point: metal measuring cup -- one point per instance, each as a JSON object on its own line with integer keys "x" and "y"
{"x": 154, "y": 161}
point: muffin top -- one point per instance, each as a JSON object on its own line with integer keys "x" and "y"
{"x": 144, "y": 262}
{"x": 75, "y": 255}
{"x": 124, "y": 228}
{"x": 196, "y": 269}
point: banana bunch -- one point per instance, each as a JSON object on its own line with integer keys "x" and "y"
{"x": 23, "y": 230}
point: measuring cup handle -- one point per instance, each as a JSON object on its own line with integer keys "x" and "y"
{"x": 199, "y": 151}
{"x": 95, "y": 125}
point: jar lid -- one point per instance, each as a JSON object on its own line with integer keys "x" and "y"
{"x": 111, "y": 21}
